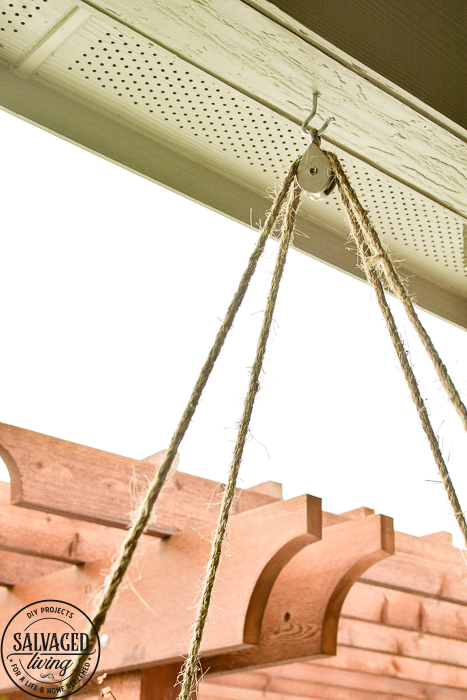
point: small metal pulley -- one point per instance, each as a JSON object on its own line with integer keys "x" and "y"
{"x": 314, "y": 174}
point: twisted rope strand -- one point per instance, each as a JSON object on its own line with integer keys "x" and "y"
{"x": 191, "y": 664}
{"x": 369, "y": 264}
{"x": 396, "y": 286}
{"x": 145, "y": 510}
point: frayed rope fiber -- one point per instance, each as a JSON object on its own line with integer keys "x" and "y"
{"x": 145, "y": 510}
{"x": 191, "y": 663}
{"x": 377, "y": 264}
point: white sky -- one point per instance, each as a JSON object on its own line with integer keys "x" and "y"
{"x": 112, "y": 289}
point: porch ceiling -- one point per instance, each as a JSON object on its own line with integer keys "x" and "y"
{"x": 189, "y": 97}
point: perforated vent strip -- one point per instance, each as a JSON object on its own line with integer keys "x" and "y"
{"x": 23, "y": 22}
{"x": 410, "y": 219}
{"x": 154, "y": 82}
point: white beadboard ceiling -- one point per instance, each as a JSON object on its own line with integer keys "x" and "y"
{"x": 116, "y": 90}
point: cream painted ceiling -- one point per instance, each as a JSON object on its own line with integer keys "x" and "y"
{"x": 62, "y": 63}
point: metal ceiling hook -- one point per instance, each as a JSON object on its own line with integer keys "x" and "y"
{"x": 314, "y": 175}
{"x": 315, "y": 134}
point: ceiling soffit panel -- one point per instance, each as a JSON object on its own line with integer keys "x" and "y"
{"x": 262, "y": 59}
{"x": 132, "y": 81}
{"x": 22, "y": 24}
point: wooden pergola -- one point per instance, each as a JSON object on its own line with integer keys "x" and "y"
{"x": 309, "y": 604}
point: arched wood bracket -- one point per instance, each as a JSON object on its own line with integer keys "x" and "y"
{"x": 151, "y": 621}
{"x": 302, "y": 613}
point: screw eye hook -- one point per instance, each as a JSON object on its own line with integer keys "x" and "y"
{"x": 304, "y": 131}
{"x": 315, "y": 134}
{"x": 323, "y": 128}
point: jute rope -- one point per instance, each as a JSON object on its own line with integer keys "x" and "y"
{"x": 375, "y": 261}
{"x": 396, "y": 285}
{"x": 372, "y": 265}
{"x": 144, "y": 512}
{"x": 191, "y": 663}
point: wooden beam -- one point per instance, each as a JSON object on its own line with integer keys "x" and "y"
{"x": 270, "y": 488}
{"x": 401, "y": 642}
{"x": 311, "y": 675}
{"x": 330, "y": 519}
{"x": 429, "y": 549}
{"x": 425, "y": 576}
{"x": 396, "y": 666}
{"x": 289, "y": 681}
{"x": 261, "y": 543}
{"x": 288, "y": 690}
{"x": 441, "y": 537}
{"x": 52, "y": 536}
{"x": 18, "y": 568}
{"x": 162, "y": 683}
{"x": 301, "y": 617}
{"x": 433, "y": 548}
{"x": 421, "y": 566}
{"x": 124, "y": 686}
{"x": 369, "y": 636}
{"x": 158, "y": 683}
{"x": 357, "y": 513}
{"x": 55, "y": 537}
{"x": 409, "y": 611}
{"x": 55, "y": 476}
